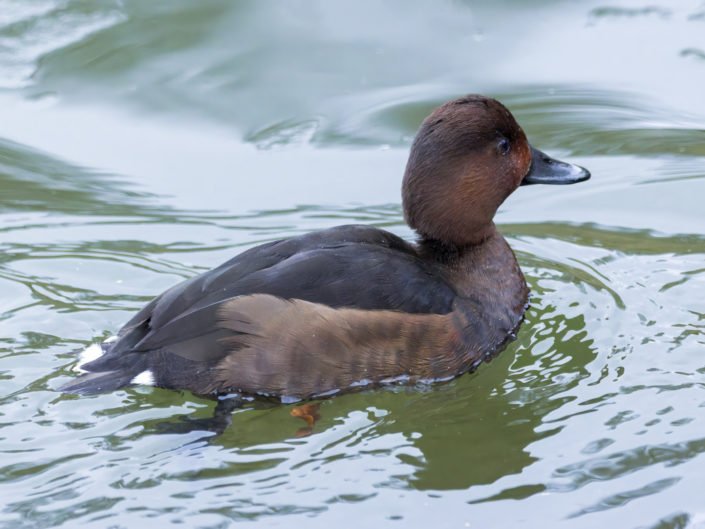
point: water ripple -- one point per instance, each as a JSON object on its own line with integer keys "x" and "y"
{"x": 29, "y": 32}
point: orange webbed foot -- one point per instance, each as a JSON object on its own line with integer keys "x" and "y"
{"x": 309, "y": 413}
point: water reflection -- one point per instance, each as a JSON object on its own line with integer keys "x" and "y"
{"x": 35, "y": 182}
{"x": 504, "y": 402}
{"x": 492, "y": 435}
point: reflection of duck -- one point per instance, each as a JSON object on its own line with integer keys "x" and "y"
{"x": 352, "y": 306}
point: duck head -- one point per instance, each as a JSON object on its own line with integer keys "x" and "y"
{"x": 469, "y": 155}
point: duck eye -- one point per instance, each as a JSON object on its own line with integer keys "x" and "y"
{"x": 503, "y": 146}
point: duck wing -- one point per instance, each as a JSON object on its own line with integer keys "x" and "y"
{"x": 358, "y": 267}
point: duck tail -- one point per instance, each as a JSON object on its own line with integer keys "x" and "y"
{"x": 99, "y": 382}
{"x": 104, "y": 369}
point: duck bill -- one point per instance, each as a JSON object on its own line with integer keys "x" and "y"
{"x": 547, "y": 170}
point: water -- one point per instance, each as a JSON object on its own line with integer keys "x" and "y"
{"x": 143, "y": 142}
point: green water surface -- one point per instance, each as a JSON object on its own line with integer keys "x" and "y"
{"x": 142, "y": 142}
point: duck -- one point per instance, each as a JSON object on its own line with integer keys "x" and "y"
{"x": 354, "y": 306}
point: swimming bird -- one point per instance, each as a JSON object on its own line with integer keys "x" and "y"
{"x": 355, "y": 306}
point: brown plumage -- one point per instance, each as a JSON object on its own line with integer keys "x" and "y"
{"x": 304, "y": 349}
{"x": 356, "y": 306}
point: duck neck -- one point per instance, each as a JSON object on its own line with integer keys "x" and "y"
{"x": 492, "y": 291}
{"x": 489, "y": 262}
